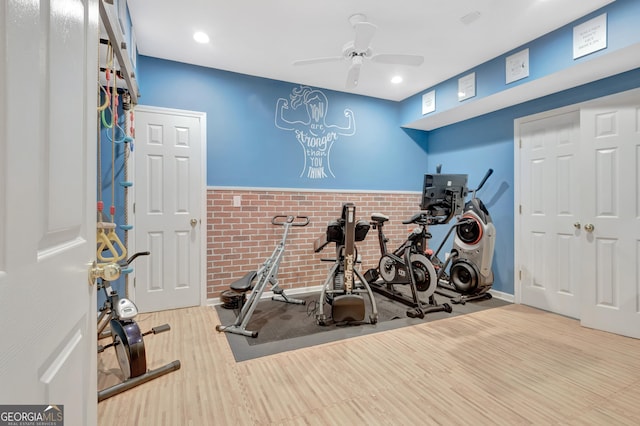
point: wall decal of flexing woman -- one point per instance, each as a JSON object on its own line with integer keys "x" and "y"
{"x": 312, "y": 132}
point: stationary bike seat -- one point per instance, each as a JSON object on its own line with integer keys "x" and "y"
{"x": 244, "y": 283}
{"x": 379, "y": 217}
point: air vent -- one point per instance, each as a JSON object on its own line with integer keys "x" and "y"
{"x": 470, "y": 17}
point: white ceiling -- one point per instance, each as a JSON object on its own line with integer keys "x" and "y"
{"x": 264, "y": 37}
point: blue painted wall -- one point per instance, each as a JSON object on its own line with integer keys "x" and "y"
{"x": 246, "y": 148}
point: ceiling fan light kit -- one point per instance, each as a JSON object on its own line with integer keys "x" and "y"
{"x": 359, "y": 49}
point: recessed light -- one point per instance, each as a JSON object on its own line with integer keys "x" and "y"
{"x": 396, "y": 80}
{"x": 201, "y": 37}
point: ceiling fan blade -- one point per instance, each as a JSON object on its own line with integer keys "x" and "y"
{"x": 318, "y": 60}
{"x": 364, "y": 34}
{"x": 390, "y": 58}
{"x": 354, "y": 74}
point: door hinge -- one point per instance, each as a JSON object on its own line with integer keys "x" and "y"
{"x": 133, "y": 209}
{"x": 520, "y": 143}
{"x": 520, "y": 208}
{"x": 520, "y": 275}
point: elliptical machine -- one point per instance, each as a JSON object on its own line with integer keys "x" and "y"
{"x": 470, "y": 276}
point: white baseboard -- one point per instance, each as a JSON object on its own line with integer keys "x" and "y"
{"x": 503, "y": 296}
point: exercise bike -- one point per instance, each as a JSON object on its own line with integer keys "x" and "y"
{"x": 118, "y": 313}
{"x": 266, "y": 274}
{"x": 407, "y": 265}
{"x": 340, "y": 289}
{"x": 470, "y": 276}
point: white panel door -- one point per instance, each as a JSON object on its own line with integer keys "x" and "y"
{"x": 169, "y": 175}
{"x": 611, "y": 214}
{"x": 48, "y": 99}
{"x": 550, "y": 204}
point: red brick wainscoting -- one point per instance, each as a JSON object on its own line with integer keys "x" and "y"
{"x": 239, "y": 239}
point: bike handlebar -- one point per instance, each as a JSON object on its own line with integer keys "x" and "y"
{"x": 418, "y": 218}
{"x": 484, "y": 179}
{"x": 290, "y": 219}
{"x": 132, "y": 258}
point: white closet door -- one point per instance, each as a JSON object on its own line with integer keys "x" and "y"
{"x": 578, "y": 232}
{"x": 550, "y": 205}
{"x": 169, "y": 186}
{"x": 611, "y": 214}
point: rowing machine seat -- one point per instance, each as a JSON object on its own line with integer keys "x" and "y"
{"x": 244, "y": 283}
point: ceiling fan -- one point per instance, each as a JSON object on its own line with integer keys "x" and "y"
{"x": 359, "y": 49}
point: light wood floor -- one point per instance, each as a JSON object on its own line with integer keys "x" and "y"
{"x": 513, "y": 366}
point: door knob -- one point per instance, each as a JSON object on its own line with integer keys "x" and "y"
{"x": 194, "y": 222}
{"x": 576, "y": 225}
{"x": 589, "y": 227}
{"x": 106, "y": 271}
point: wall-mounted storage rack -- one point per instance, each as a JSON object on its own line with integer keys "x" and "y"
{"x": 111, "y": 24}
